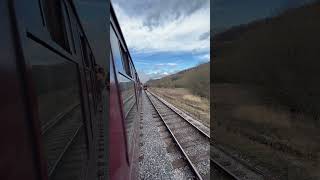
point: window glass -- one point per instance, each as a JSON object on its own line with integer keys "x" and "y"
{"x": 58, "y": 99}
{"x": 55, "y": 22}
{"x": 117, "y": 55}
{"x": 125, "y": 62}
{"x": 132, "y": 117}
{"x": 55, "y": 88}
{"x": 127, "y": 91}
{"x": 71, "y": 166}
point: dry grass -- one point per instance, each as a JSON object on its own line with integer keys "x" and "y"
{"x": 195, "y": 106}
{"x": 192, "y": 98}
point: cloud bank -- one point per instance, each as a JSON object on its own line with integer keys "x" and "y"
{"x": 165, "y": 26}
{"x": 165, "y": 36}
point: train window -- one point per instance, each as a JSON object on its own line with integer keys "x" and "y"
{"x": 55, "y": 22}
{"x": 59, "y": 110}
{"x": 84, "y": 51}
{"x": 132, "y": 70}
{"x": 125, "y": 61}
{"x": 128, "y": 97}
{"x": 119, "y": 58}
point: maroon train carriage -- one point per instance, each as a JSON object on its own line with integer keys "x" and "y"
{"x": 125, "y": 95}
{"x": 53, "y": 95}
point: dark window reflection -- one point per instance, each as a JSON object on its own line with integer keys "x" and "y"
{"x": 127, "y": 92}
{"x": 129, "y": 103}
{"x": 54, "y": 88}
{"x": 71, "y": 165}
{"x": 57, "y": 86}
{"x": 55, "y": 22}
{"x": 115, "y": 45}
{"x": 125, "y": 62}
{"x": 131, "y": 118}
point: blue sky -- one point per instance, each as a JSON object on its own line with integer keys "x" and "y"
{"x": 165, "y": 36}
{"x": 156, "y": 65}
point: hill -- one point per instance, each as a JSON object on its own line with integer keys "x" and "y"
{"x": 196, "y": 79}
{"x": 279, "y": 53}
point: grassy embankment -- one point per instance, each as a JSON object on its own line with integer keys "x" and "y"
{"x": 195, "y": 106}
{"x": 188, "y": 90}
{"x": 196, "y": 80}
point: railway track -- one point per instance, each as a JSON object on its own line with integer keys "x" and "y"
{"x": 194, "y": 144}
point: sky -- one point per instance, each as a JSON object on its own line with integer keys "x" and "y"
{"x": 165, "y": 36}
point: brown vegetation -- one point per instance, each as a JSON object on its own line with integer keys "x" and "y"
{"x": 195, "y": 106}
{"x": 196, "y": 79}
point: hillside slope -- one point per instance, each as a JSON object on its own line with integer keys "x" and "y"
{"x": 280, "y": 53}
{"x": 196, "y": 79}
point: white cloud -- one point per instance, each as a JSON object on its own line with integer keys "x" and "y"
{"x": 175, "y": 35}
{"x": 152, "y": 27}
{"x": 204, "y": 57}
{"x": 144, "y": 77}
{"x": 166, "y": 64}
{"x": 155, "y": 74}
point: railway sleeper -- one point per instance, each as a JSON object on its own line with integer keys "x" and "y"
{"x": 199, "y": 158}
{"x": 179, "y": 163}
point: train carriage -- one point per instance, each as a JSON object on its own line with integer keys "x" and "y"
{"x": 125, "y": 94}
{"x": 53, "y": 94}
{"x": 61, "y": 116}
